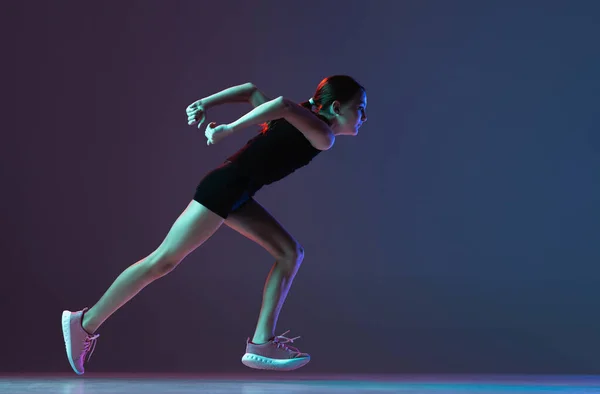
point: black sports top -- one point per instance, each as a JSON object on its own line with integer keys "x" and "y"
{"x": 273, "y": 155}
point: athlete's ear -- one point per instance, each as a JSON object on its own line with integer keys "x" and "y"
{"x": 335, "y": 107}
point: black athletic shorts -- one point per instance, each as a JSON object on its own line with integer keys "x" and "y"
{"x": 224, "y": 189}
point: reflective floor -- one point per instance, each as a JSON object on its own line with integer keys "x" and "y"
{"x": 180, "y": 384}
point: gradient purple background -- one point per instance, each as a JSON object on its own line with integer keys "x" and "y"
{"x": 459, "y": 232}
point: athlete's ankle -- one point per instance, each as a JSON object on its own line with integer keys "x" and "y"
{"x": 260, "y": 339}
{"x": 85, "y": 324}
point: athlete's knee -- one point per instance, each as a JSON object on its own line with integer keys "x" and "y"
{"x": 161, "y": 263}
{"x": 291, "y": 257}
{"x": 299, "y": 256}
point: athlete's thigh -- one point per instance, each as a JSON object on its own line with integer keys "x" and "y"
{"x": 254, "y": 222}
{"x": 191, "y": 229}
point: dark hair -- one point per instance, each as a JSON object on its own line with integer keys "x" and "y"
{"x": 342, "y": 88}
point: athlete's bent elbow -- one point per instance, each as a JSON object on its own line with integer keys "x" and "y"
{"x": 284, "y": 103}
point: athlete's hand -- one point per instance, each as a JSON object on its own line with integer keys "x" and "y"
{"x": 216, "y": 133}
{"x": 196, "y": 113}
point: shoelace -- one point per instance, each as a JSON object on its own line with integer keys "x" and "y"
{"x": 89, "y": 345}
{"x": 281, "y": 340}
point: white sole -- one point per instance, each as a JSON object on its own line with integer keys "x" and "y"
{"x": 259, "y": 362}
{"x": 66, "y": 329}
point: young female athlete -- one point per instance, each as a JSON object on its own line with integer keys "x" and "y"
{"x": 291, "y": 137}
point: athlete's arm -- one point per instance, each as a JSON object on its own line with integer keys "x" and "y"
{"x": 235, "y": 94}
{"x": 314, "y": 129}
{"x": 257, "y": 97}
{"x": 246, "y": 92}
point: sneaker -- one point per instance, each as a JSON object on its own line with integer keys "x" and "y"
{"x": 274, "y": 355}
{"x": 78, "y": 342}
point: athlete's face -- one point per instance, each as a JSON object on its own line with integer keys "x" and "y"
{"x": 350, "y": 116}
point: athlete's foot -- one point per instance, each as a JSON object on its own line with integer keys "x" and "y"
{"x": 275, "y": 354}
{"x": 78, "y": 343}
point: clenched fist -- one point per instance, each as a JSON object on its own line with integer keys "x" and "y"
{"x": 196, "y": 113}
{"x": 216, "y": 133}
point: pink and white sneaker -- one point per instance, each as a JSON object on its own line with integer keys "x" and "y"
{"x": 274, "y": 355}
{"x": 78, "y": 343}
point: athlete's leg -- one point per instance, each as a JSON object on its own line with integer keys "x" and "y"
{"x": 193, "y": 227}
{"x": 256, "y": 223}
